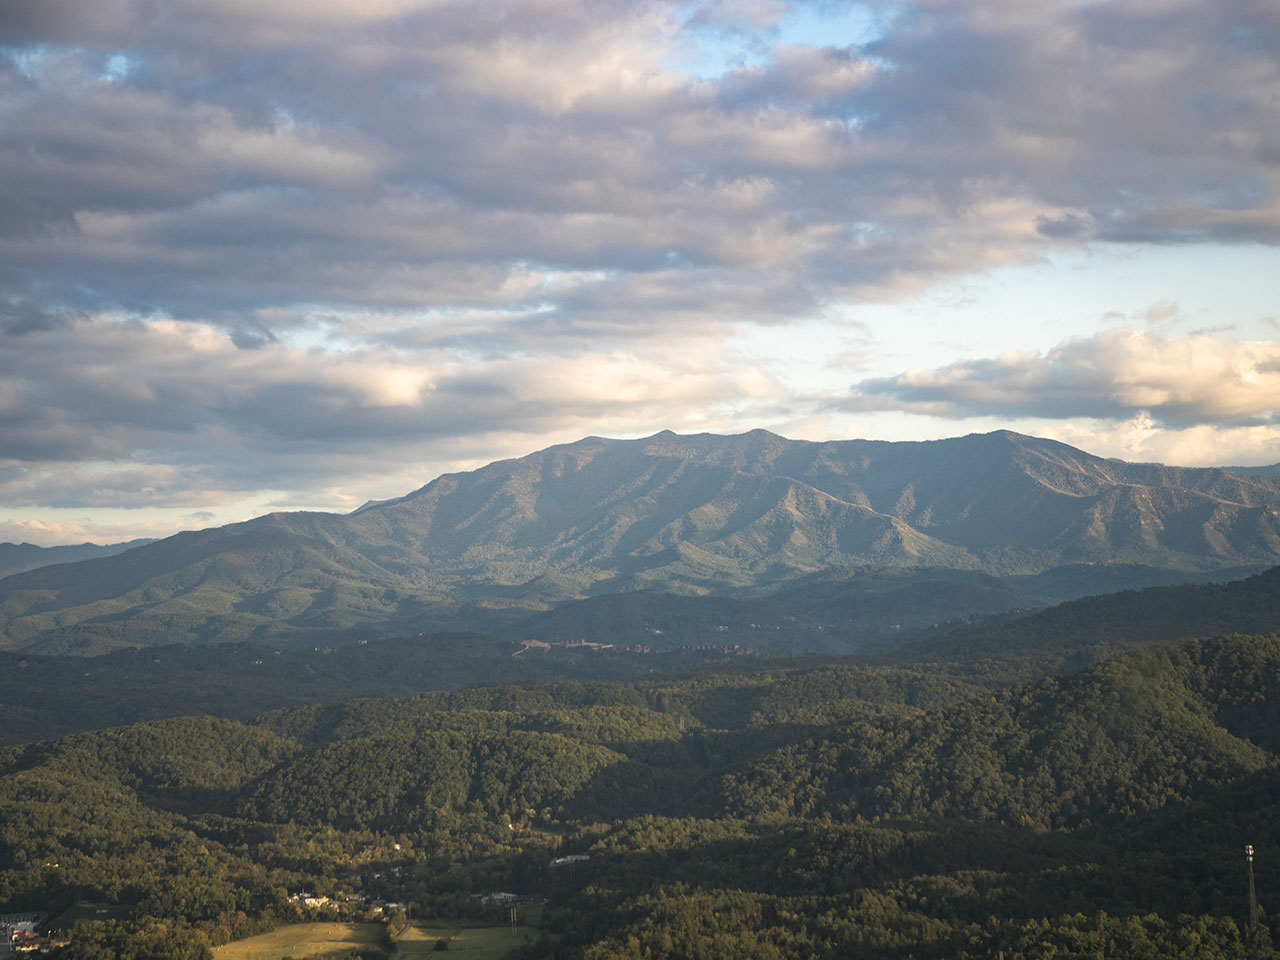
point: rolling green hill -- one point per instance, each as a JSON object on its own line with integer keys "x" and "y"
{"x": 1117, "y": 740}
{"x": 832, "y": 810}
{"x": 58, "y": 694}
{"x": 51, "y": 696}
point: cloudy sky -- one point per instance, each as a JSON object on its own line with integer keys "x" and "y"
{"x": 303, "y": 253}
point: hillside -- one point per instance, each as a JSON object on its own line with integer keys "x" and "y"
{"x": 835, "y": 611}
{"x": 820, "y": 810}
{"x": 1118, "y": 740}
{"x": 654, "y": 633}
{"x": 51, "y": 696}
{"x": 1074, "y": 634}
{"x": 696, "y": 515}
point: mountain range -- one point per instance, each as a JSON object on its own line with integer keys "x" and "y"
{"x": 724, "y": 516}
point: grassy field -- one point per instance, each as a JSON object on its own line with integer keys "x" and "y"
{"x": 81, "y": 912}
{"x": 301, "y": 940}
{"x": 478, "y": 943}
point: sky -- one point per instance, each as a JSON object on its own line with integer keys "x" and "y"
{"x": 305, "y": 253}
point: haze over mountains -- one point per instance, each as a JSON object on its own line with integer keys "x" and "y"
{"x": 713, "y": 515}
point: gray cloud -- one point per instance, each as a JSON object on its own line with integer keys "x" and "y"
{"x": 266, "y": 244}
{"x": 24, "y": 316}
{"x": 1178, "y": 382}
{"x": 330, "y": 152}
{"x": 197, "y": 418}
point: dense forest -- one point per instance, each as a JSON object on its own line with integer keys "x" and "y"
{"x": 631, "y": 636}
{"x": 57, "y": 695}
{"x": 820, "y": 808}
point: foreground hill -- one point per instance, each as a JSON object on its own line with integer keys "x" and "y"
{"x": 841, "y": 812}
{"x": 1118, "y": 740}
{"x": 694, "y": 514}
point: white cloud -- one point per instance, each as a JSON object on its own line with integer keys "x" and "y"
{"x": 1143, "y": 439}
{"x": 367, "y": 140}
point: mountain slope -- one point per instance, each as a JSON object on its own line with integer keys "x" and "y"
{"x": 1123, "y": 738}
{"x": 1073, "y": 634}
{"x": 964, "y": 500}
{"x": 697, "y": 514}
{"x": 63, "y": 694}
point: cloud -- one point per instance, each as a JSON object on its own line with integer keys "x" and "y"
{"x": 282, "y": 245}
{"x": 1143, "y": 439}
{"x": 198, "y": 420}
{"x": 352, "y": 153}
{"x": 1181, "y": 382}
{"x": 48, "y": 533}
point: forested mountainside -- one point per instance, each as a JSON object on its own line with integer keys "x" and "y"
{"x": 622, "y": 637}
{"x": 841, "y": 812}
{"x": 693, "y": 514}
{"x": 51, "y": 696}
{"x": 842, "y": 610}
{"x": 1071, "y": 635}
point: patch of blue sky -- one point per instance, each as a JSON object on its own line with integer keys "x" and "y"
{"x": 826, "y": 24}
{"x": 1175, "y": 290}
{"x": 711, "y": 48}
{"x": 118, "y": 66}
{"x": 1172, "y": 291}
{"x": 709, "y": 54}
{"x": 32, "y": 61}
{"x": 29, "y": 59}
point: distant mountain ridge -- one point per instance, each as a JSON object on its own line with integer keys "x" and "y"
{"x": 732, "y": 509}
{"x": 693, "y": 514}
{"x": 20, "y": 557}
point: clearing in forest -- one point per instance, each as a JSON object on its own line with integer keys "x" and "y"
{"x": 476, "y": 943}
{"x": 302, "y": 940}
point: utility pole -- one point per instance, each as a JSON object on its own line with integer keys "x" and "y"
{"x": 1253, "y": 895}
